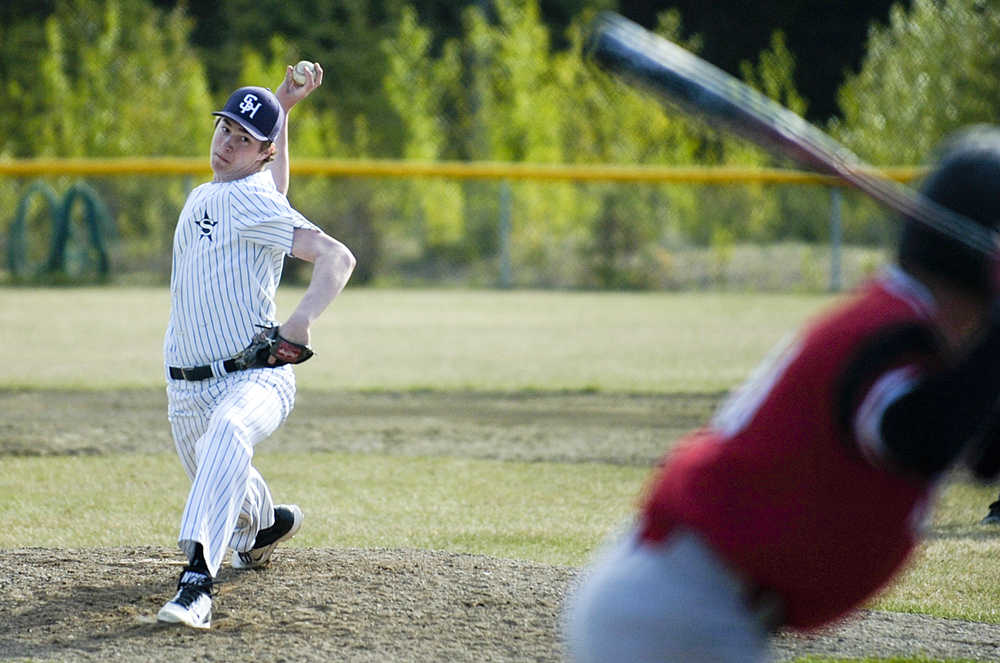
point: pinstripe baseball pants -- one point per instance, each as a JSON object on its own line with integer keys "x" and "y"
{"x": 216, "y": 424}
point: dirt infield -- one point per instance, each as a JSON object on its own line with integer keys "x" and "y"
{"x": 318, "y": 604}
{"x": 359, "y": 606}
{"x": 312, "y": 605}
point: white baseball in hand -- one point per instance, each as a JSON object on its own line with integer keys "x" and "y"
{"x": 301, "y": 71}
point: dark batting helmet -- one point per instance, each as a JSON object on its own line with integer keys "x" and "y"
{"x": 965, "y": 179}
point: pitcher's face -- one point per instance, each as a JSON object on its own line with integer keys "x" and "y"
{"x": 235, "y": 153}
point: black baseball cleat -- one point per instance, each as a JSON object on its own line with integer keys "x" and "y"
{"x": 993, "y": 517}
{"x": 192, "y": 606}
{"x": 287, "y": 521}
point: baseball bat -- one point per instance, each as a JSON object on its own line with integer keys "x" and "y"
{"x": 681, "y": 79}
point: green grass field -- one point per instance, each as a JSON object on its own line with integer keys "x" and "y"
{"x": 92, "y": 338}
{"x": 107, "y": 341}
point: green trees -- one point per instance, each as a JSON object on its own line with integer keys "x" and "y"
{"x": 413, "y": 84}
{"x": 114, "y": 78}
{"x": 120, "y": 78}
{"x": 109, "y": 78}
{"x": 931, "y": 70}
{"x": 501, "y": 93}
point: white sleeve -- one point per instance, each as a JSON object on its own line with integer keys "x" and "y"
{"x": 868, "y": 417}
{"x": 264, "y": 217}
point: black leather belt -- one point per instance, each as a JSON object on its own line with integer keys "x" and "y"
{"x": 201, "y": 372}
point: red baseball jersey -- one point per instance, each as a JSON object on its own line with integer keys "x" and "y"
{"x": 782, "y": 483}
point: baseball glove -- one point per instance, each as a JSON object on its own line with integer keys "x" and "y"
{"x": 269, "y": 343}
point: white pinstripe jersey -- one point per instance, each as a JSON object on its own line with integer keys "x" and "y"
{"x": 229, "y": 248}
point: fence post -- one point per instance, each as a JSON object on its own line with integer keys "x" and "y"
{"x": 506, "y": 271}
{"x": 836, "y": 239}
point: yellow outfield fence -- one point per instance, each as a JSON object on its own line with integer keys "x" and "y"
{"x": 474, "y": 223}
{"x": 446, "y": 169}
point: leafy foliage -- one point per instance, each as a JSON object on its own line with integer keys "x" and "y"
{"x": 127, "y": 78}
{"x": 115, "y": 78}
{"x": 931, "y": 70}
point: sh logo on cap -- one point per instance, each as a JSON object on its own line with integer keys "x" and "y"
{"x": 257, "y": 110}
{"x": 248, "y": 107}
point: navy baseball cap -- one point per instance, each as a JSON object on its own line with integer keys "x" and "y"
{"x": 257, "y": 110}
{"x": 965, "y": 180}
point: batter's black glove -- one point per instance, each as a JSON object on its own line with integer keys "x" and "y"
{"x": 268, "y": 344}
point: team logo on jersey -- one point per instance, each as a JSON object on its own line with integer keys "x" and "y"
{"x": 207, "y": 226}
{"x": 249, "y": 107}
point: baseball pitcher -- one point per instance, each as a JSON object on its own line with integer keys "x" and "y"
{"x": 227, "y": 358}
